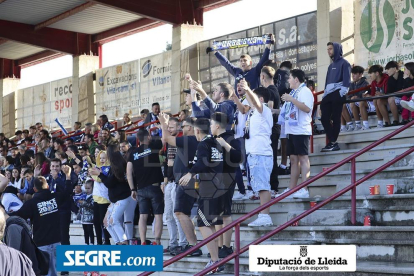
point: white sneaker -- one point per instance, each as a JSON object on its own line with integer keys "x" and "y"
{"x": 350, "y": 128}
{"x": 358, "y": 127}
{"x": 262, "y": 220}
{"x": 302, "y": 193}
{"x": 364, "y": 128}
{"x": 380, "y": 126}
{"x": 251, "y": 195}
{"x": 343, "y": 128}
{"x": 238, "y": 196}
{"x": 285, "y": 191}
{"x": 408, "y": 105}
{"x": 273, "y": 194}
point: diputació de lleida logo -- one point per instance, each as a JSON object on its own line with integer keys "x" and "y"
{"x": 377, "y": 25}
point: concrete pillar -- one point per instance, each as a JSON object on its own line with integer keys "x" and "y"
{"x": 8, "y": 87}
{"x": 82, "y": 65}
{"x": 335, "y": 22}
{"x": 184, "y": 59}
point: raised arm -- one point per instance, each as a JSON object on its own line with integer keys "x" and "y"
{"x": 226, "y": 63}
{"x": 251, "y": 97}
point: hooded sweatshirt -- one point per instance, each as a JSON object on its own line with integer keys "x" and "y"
{"x": 228, "y": 107}
{"x": 380, "y": 86}
{"x": 356, "y": 85}
{"x": 339, "y": 73}
{"x": 43, "y": 210}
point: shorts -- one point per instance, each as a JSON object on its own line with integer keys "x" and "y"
{"x": 371, "y": 106}
{"x": 151, "y": 197}
{"x": 282, "y": 132}
{"x": 209, "y": 212}
{"x": 184, "y": 202}
{"x": 260, "y": 167}
{"x": 298, "y": 144}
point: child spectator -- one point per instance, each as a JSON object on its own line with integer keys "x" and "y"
{"x": 78, "y": 196}
{"x": 395, "y": 83}
{"x": 379, "y": 83}
{"x": 86, "y": 211}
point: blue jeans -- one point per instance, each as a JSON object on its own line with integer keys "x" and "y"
{"x": 51, "y": 249}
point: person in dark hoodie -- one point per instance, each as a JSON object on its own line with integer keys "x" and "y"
{"x": 58, "y": 180}
{"x": 43, "y": 211}
{"x": 379, "y": 86}
{"x": 219, "y": 102}
{"x": 207, "y": 169}
{"x": 353, "y": 109}
{"x": 232, "y": 157}
{"x": 247, "y": 71}
{"x": 395, "y": 83}
{"x": 337, "y": 85}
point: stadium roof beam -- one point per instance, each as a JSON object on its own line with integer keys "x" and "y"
{"x": 38, "y": 58}
{"x": 125, "y": 30}
{"x": 63, "y": 15}
{"x": 52, "y": 39}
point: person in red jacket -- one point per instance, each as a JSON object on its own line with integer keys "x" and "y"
{"x": 379, "y": 88}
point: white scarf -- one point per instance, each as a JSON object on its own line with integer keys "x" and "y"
{"x": 289, "y": 112}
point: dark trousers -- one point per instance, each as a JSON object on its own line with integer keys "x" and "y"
{"x": 64, "y": 228}
{"x": 331, "y": 108}
{"x": 239, "y": 181}
{"x": 88, "y": 233}
{"x": 99, "y": 211}
{"x": 274, "y": 181}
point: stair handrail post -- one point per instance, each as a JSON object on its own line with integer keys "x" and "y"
{"x": 353, "y": 193}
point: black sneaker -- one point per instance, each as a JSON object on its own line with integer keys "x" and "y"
{"x": 331, "y": 147}
{"x": 395, "y": 123}
{"x": 404, "y": 122}
{"x": 282, "y": 171}
{"x": 173, "y": 250}
{"x": 225, "y": 251}
{"x": 196, "y": 253}
{"x": 387, "y": 124}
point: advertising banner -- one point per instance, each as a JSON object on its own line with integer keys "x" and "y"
{"x": 61, "y": 103}
{"x": 384, "y": 31}
{"x": 117, "y": 90}
{"x": 33, "y": 105}
{"x": 156, "y": 81}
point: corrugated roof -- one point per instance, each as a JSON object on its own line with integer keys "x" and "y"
{"x": 35, "y": 11}
{"x": 95, "y": 19}
{"x": 15, "y": 50}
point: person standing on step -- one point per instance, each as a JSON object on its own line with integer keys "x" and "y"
{"x": 184, "y": 198}
{"x": 258, "y": 147}
{"x": 206, "y": 177}
{"x": 169, "y": 188}
{"x": 281, "y": 81}
{"x": 337, "y": 85}
{"x": 296, "y": 115}
{"x": 266, "y": 79}
{"x": 232, "y": 157}
{"x": 145, "y": 175}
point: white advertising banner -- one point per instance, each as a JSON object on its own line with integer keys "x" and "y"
{"x": 384, "y": 31}
{"x": 156, "y": 81}
{"x": 61, "y": 102}
{"x": 33, "y": 105}
{"x": 117, "y": 90}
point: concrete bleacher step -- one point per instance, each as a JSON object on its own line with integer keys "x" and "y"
{"x": 362, "y": 138}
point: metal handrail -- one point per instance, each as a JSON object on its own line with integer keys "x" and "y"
{"x": 237, "y": 222}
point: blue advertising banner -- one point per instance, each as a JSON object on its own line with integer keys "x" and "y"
{"x": 109, "y": 258}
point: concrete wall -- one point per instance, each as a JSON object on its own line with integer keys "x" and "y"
{"x": 335, "y": 22}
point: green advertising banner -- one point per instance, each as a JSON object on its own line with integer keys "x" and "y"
{"x": 384, "y": 31}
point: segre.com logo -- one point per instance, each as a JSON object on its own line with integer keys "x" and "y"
{"x": 109, "y": 258}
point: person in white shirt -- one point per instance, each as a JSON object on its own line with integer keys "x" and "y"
{"x": 296, "y": 116}
{"x": 258, "y": 147}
